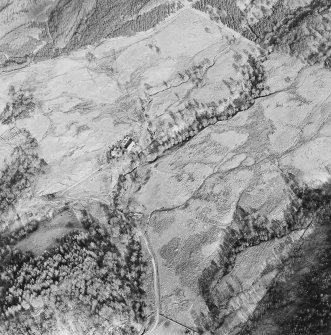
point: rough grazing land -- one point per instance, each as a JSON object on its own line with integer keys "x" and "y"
{"x": 165, "y": 167}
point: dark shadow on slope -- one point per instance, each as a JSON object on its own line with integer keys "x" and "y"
{"x": 308, "y": 207}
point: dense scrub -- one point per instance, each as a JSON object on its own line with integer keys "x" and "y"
{"x": 304, "y": 32}
{"x": 22, "y": 105}
{"x": 225, "y": 11}
{"x": 259, "y": 31}
{"x": 20, "y": 172}
{"x": 98, "y": 274}
{"x": 249, "y": 228}
{"x": 16, "y": 62}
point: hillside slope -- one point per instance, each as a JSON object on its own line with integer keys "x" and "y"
{"x": 161, "y": 165}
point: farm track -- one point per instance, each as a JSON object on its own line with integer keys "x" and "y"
{"x": 155, "y": 280}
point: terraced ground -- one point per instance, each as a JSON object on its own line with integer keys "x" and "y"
{"x": 162, "y": 164}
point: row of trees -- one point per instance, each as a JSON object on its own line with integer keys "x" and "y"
{"x": 209, "y": 113}
{"x": 196, "y": 72}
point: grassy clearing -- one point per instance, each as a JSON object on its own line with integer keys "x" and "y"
{"x": 49, "y": 233}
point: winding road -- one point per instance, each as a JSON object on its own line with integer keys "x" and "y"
{"x": 156, "y": 282}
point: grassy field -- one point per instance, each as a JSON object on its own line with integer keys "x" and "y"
{"x": 48, "y": 233}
